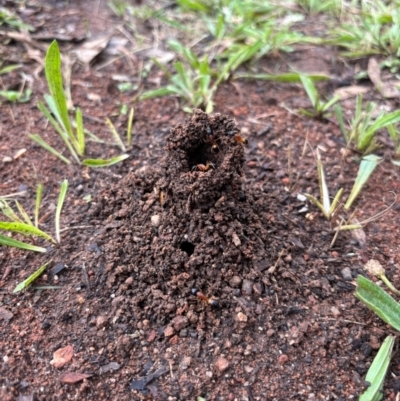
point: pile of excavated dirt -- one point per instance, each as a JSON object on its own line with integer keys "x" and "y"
{"x": 187, "y": 225}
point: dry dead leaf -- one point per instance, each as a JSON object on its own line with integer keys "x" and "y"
{"x": 62, "y": 356}
{"x": 91, "y": 48}
{"x": 74, "y": 377}
{"x": 386, "y": 89}
{"x": 19, "y": 153}
{"x": 350, "y": 91}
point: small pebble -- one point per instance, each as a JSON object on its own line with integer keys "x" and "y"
{"x": 174, "y": 340}
{"x": 180, "y": 322}
{"x": 155, "y": 220}
{"x": 235, "y": 281}
{"x": 282, "y": 359}
{"x": 101, "y": 321}
{"x": 241, "y": 317}
{"x": 221, "y": 364}
{"x": 169, "y": 331}
{"x": 346, "y": 274}
{"x": 247, "y": 287}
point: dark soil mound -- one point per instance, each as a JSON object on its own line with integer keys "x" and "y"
{"x": 176, "y": 228}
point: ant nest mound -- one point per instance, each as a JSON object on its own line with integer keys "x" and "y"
{"x": 186, "y": 225}
{"x": 204, "y": 163}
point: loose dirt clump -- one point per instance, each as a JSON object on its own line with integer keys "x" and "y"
{"x": 186, "y": 225}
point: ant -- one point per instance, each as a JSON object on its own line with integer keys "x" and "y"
{"x": 211, "y": 139}
{"x": 203, "y": 167}
{"x": 208, "y": 301}
{"x": 238, "y": 138}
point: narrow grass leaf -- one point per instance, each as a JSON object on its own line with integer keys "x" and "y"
{"x": 8, "y": 212}
{"x": 129, "y": 129}
{"x": 310, "y": 89}
{"x": 157, "y": 93}
{"x": 379, "y": 301}
{"x": 55, "y": 83}
{"x": 115, "y": 134}
{"x": 317, "y": 203}
{"x": 367, "y": 166}
{"x": 7, "y": 241}
{"x": 61, "y": 198}
{"x": 80, "y": 133}
{"x": 39, "y": 195}
{"x": 23, "y": 214}
{"x": 335, "y": 202}
{"x": 323, "y": 187}
{"x": 26, "y": 283}
{"x": 25, "y": 229}
{"x": 380, "y": 122}
{"x": 340, "y": 120}
{"x": 104, "y": 162}
{"x": 290, "y": 77}
{"x": 9, "y": 68}
{"x": 330, "y": 103}
{"x": 38, "y": 139}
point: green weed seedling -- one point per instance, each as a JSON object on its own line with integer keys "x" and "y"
{"x": 388, "y": 309}
{"x": 363, "y": 127}
{"x": 57, "y": 113}
{"x": 374, "y": 30}
{"x": 324, "y": 205}
{"x": 27, "y": 282}
{"x": 10, "y": 19}
{"x": 19, "y": 221}
{"x": 190, "y": 81}
{"x": 377, "y": 371}
{"x": 313, "y": 7}
{"x": 320, "y": 108}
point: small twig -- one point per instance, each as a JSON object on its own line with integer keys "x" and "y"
{"x": 272, "y": 269}
{"x": 85, "y": 275}
{"x": 74, "y": 228}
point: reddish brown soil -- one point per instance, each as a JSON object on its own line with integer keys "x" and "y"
{"x": 279, "y": 319}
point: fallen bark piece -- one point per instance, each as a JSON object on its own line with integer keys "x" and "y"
{"x": 62, "y": 356}
{"x": 74, "y": 377}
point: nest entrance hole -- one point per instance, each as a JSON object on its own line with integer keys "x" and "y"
{"x": 203, "y": 153}
{"x": 187, "y": 247}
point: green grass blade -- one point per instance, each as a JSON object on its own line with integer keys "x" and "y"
{"x": 157, "y": 93}
{"x": 310, "y": 89}
{"x": 379, "y": 301}
{"x": 7, "y": 241}
{"x": 323, "y": 187}
{"x": 25, "y": 229}
{"x": 104, "y": 162}
{"x": 129, "y": 129}
{"x": 61, "y": 198}
{"x": 317, "y": 203}
{"x": 115, "y": 134}
{"x": 23, "y": 214}
{"x": 335, "y": 202}
{"x": 290, "y": 77}
{"x": 27, "y": 282}
{"x": 80, "y": 133}
{"x": 380, "y": 122}
{"x": 55, "y": 83}
{"x": 340, "y": 119}
{"x": 330, "y": 103}
{"x": 9, "y": 68}
{"x": 8, "y": 212}
{"x": 367, "y": 166}
{"x": 39, "y": 196}
{"x": 377, "y": 371}
{"x": 37, "y": 138}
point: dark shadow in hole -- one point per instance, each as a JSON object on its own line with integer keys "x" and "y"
{"x": 187, "y": 247}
